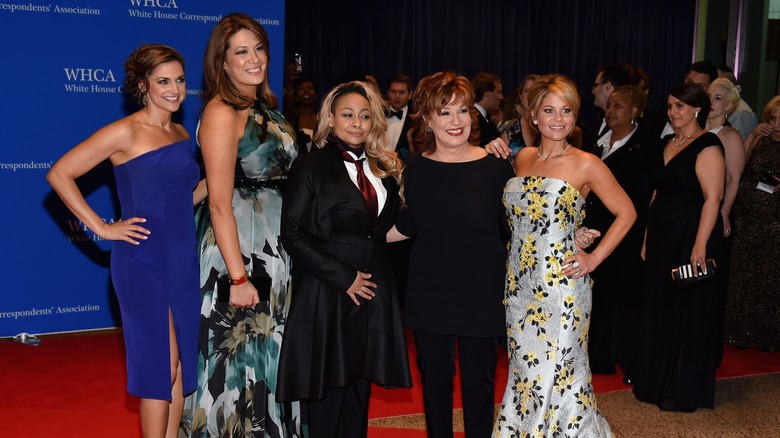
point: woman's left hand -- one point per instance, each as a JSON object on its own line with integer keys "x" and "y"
{"x": 579, "y": 264}
{"x": 584, "y": 236}
{"x": 698, "y": 259}
{"x": 498, "y": 148}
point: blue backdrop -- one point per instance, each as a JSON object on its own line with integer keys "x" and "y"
{"x": 62, "y": 79}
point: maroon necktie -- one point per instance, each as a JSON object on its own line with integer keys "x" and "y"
{"x": 369, "y": 194}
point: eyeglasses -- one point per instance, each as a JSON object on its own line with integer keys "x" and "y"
{"x": 594, "y": 86}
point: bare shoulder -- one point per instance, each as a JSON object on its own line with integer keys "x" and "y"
{"x": 217, "y": 108}
{"x": 120, "y": 133}
{"x": 586, "y": 160}
{"x": 221, "y": 120}
{"x": 182, "y": 131}
{"x": 730, "y": 135}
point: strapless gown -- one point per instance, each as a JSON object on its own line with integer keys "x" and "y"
{"x": 549, "y": 391}
{"x": 161, "y": 272}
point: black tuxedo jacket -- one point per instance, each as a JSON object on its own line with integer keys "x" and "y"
{"x": 402, "y": 146}
{"x": 487, "y": 130}
{"x": 328, "y": 231}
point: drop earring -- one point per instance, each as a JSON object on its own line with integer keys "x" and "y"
{"x": 144, "y": 100}
{"x": 428, "y": 128}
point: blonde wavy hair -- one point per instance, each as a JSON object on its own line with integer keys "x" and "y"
{"x": 376, "y": 142}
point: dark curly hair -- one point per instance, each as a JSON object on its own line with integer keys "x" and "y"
{"x": 141, "y": 62}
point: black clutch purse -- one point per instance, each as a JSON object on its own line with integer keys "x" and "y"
{"x": 262, "y": 284}
{"x": 684, "y": 274}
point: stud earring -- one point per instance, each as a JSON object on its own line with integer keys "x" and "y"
{"x": 535, "y": 122}
{"x": 632, "y": 122}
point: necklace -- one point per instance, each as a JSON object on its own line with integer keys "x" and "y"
{"x": 685, "y": 139}
{"x": 552, "y": 156}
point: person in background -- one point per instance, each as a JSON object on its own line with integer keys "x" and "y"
{"x": 304, "y": 118}
{"x": 399, "y": 94}
{"x": 679, "y": 339}
{"x": 154, "y": 265}
{"x": 344, "y": 330}
{"x": 247, "y": 149}
{"x": 753, "y": 300}
{"x": 488, "y": 94}
{"x": 548, "y": 295}
{"x": 617, "y": 301}
{"x": 700, "y": 73}
{"x": 724, "y": 98}
{"x": 518, "y": 132}
{"x": 742, "y": 118}
{"x": 453, "y": 194}
{"x": 608, "y": 78}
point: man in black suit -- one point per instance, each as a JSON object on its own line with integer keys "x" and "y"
{"x": 488, "y": 96}
{"x": 399, "y": 93}
{"x": 608, "y": 78}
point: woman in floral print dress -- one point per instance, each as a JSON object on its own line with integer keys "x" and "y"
{"x": 247, "y": 150}
{"x": 548, "y": 291}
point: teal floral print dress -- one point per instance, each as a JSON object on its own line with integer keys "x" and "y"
{"x": 549, "y": 392}
{"x": 239, "y": 348}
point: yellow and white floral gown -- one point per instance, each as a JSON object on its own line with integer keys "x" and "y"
{"x": 549, "y": 391}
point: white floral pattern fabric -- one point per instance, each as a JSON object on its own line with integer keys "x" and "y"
{"x": 549, "y": 392}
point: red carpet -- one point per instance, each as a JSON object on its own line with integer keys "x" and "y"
{"x": 75, "y": 387}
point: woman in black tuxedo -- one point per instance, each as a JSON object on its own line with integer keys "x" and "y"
{"x": 617, "y": 298}
{"x": 344, "y": 330}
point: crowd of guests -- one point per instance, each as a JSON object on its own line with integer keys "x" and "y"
{"x": 303, "y": 304}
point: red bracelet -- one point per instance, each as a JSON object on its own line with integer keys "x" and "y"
{"x": 240, "y": 280}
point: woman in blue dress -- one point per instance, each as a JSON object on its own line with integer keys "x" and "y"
{"x": 153, "y": 261}
{"x": 247, "y": 149}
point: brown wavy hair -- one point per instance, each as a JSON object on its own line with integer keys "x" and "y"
{"x": 376, "y": 141}
{"x": 432, "y": 94}
{"x": 218, "y": 82}
{"x": 141, "y": 62}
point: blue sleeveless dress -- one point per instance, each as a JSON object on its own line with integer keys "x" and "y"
{"x": 161, "y": 272}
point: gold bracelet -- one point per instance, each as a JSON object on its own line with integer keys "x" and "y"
{"x": 239, "y": 280}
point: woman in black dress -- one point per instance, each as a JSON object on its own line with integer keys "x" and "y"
{"x": 458, "y": 260}
{"x": 679, "y": 339}
{"x": 344, "y": 331}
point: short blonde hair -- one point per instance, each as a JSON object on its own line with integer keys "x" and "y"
{"x": 559, "y": 85}
{"x": 732, "y": 94}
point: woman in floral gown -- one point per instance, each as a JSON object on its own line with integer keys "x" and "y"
{"x": 247, "y": 149}
{"x": 548, "y": 291}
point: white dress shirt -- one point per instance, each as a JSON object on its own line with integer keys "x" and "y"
{"x": 605, "y": 139}
{"x": 394, "y": 127}
{"x": 381, "y": 192}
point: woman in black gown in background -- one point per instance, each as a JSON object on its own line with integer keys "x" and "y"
{"x": 679, "y": 334}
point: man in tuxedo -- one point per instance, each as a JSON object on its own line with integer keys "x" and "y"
{"x": 399, "y": 93}
{"x": 608, "y": 78}
{"x": 488, "y": 96}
